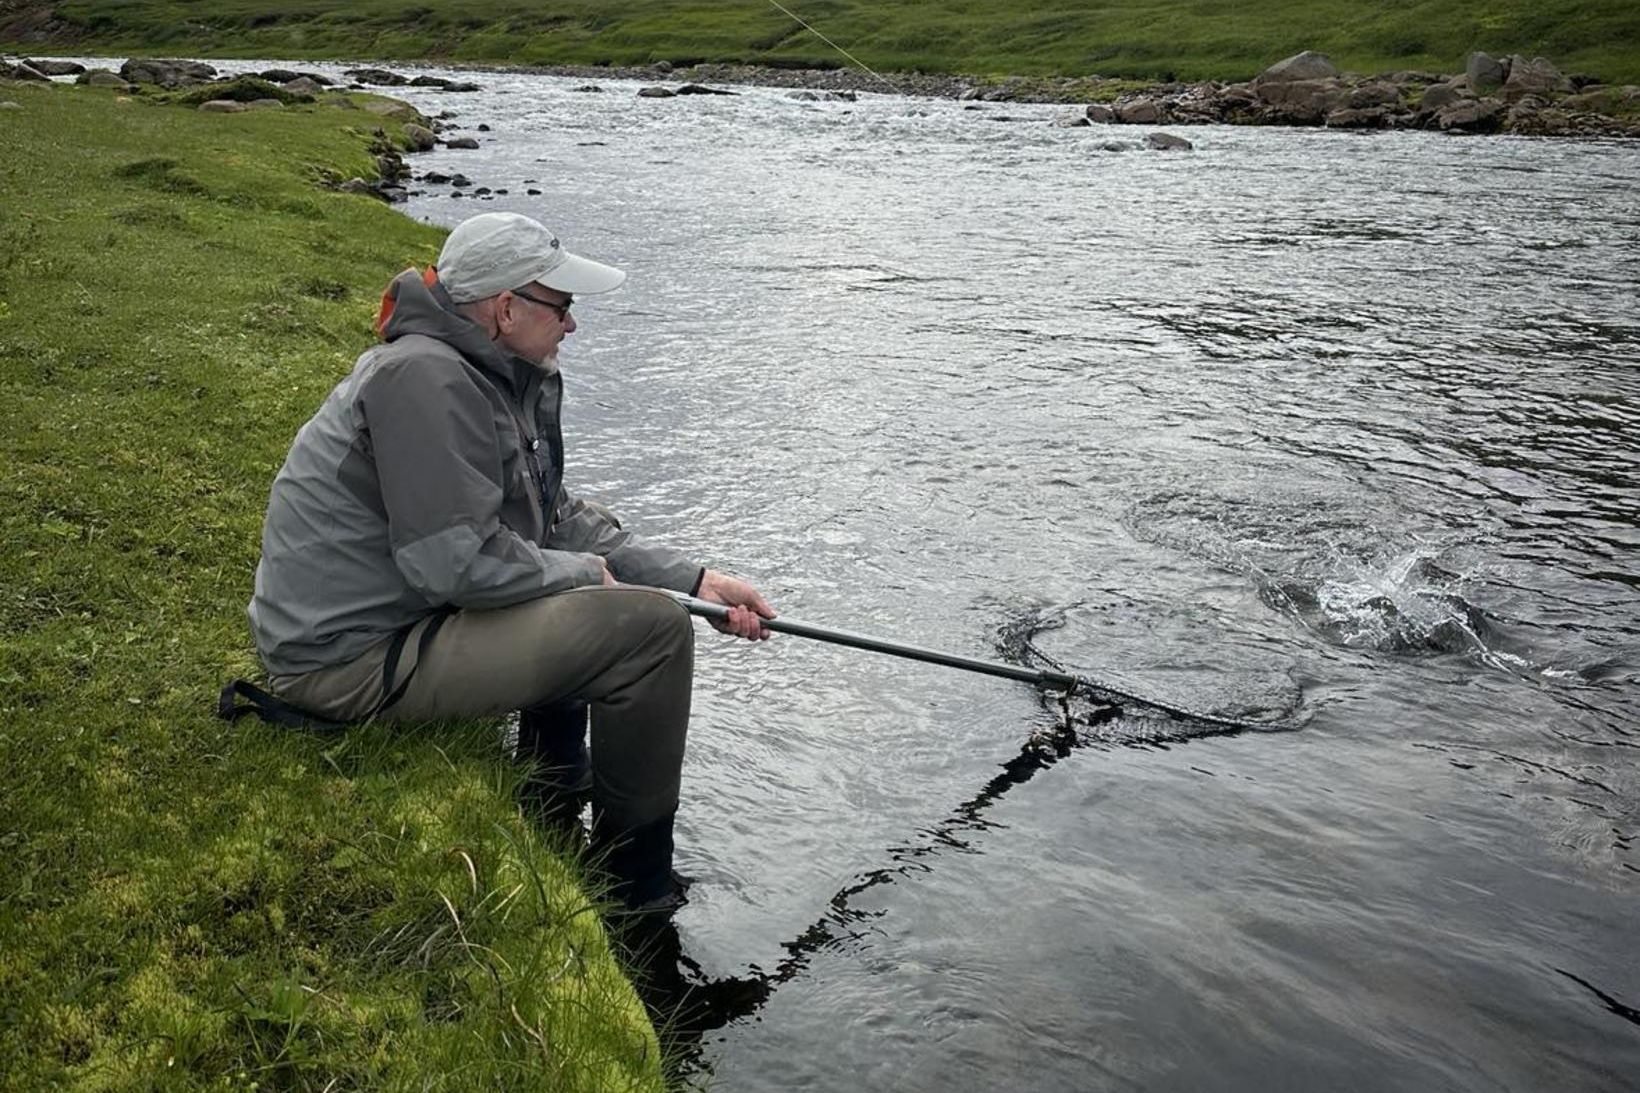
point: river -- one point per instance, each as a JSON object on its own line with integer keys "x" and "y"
{"x": 1331, "y": 428}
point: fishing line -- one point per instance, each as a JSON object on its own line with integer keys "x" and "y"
{"x": 852, "y": 58}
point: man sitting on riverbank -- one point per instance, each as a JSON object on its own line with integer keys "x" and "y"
{"x": 421, "y": 558}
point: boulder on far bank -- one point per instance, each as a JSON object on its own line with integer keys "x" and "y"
{"x": 1533, "y": 77}
{"x": 1439, "y": 95}
{"x": 1470, "y": 116}
{"x": 56, "y": 68}
{"x": 1485, "y": 71}
{"x": 23, "y": 73}
{"x": 102, "y": 77}
{"x": 1308, "y": 65}
{"x": 380, "y": 77}
{"x": 166, "y": 73}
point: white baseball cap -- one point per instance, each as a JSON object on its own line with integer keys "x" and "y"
{"x": 496, "y": 252}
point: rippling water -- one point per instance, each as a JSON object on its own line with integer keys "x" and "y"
{"x": 1341, "y": 423}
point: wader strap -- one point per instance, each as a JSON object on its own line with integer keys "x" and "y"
{"x": 390, "y": 666}
{"x": 276, "y": 711}
{"x": 272, "y": 709}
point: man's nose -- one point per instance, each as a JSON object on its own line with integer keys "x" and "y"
{"x": 569, "y": 324}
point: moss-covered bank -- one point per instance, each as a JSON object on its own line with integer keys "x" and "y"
{"x": 185, "y": 904}
{"x": 1148, "y": 39}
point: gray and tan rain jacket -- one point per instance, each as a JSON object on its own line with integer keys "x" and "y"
{"x": 422, "y": 485}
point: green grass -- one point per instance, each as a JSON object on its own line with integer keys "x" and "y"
{"x": 1189, "y": 39}
{"x": 183, "y": 904}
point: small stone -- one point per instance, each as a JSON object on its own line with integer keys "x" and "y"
{"x": 222, "y": 106}
{"x": 588, "y": 87}
{"x": 435, "y": 178}
{"x": 482, "y": 128}
{"x": 461, "y": 180}
{"x": 267, "y": 104}
{"x": 483, "y": 190}
{"x": 357, "y": 186}
{"x": 701, "y": 89}
{"x": 302, "y": 85}
{"x": 1100, "y": 114}
{"x": 655, "y": 93}
{"x": 533, "y": 192}
{"x": 461, "y": 142}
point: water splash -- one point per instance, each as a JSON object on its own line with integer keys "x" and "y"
{"x": 1403, "y": 603}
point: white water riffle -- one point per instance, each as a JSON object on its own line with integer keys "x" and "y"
{"x": 1254, "y": 423}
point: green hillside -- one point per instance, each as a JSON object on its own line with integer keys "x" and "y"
{"x": 1188, "y": 39}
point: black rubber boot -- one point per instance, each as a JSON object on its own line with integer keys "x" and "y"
{"x": 638, "y": 862}
{"x": 553, "y": 739}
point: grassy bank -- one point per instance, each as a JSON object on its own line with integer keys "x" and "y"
{"x": 184, "y": 904}
{"x": 1187, "y": 39}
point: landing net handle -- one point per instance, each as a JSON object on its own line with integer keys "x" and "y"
{"x": 1061, "y": 680}
{"x": 1041, "y": 677}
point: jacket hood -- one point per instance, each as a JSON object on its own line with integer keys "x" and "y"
{"x": 416, "y": 303}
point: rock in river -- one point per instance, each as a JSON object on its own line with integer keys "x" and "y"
{"x": 1167, "y": 142}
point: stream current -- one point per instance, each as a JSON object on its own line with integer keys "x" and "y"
{"x": 1339, "y": 425}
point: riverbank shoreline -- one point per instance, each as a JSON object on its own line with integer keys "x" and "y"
{"x": 1511, "y": 95}
{"x": 194, "y": 904}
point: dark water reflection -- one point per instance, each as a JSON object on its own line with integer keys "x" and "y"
{"x": 1348, "y": 420}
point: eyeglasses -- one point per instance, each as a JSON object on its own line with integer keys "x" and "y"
{"x": 561, "y": 309}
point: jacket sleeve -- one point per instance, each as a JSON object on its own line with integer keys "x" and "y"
{"x": 439, "y": 463}
{"x": 583, "y": 528}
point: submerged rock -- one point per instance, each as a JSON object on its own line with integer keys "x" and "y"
{"x": 461, "y": 142}
{"x": 701, "y": 89}
{"x": 1167, "y": 142}
{"x": 656, "y": 93}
